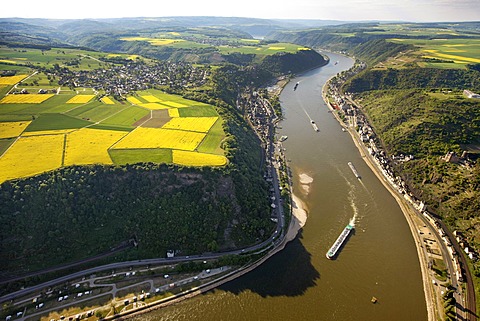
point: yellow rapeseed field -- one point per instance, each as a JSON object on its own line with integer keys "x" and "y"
{"x": 185, "y": 158}
{"x": 25, "y": 99}
{"x": 151, "y": 99}
{"x": 107, "y": 100}
{"x": 134, "y": 100}
{"x": 195, "y": 124}
{"x": 457, "y": 59}
{"x": 90, "y": 146}
{"x": 174, "y": 104}
{"x": 31, "y": 155}
{"x": 8, "y": 62}
{"x": 160, "y": 138}
{"x": 11, "y": 80}
{"x": 153, "y": 41}
{"x": 12, "y": 129}
{"x": 173, "y": 112}
{"x": 154, "y": 106}
{"x": 80, "y": 99}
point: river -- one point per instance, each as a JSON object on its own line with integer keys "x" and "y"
{"x": 299, "y": 283}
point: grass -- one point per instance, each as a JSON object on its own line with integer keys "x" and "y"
{"x": 112, "y": 127}
{"x": 20, "y": 117}
{"x": 127, "y": 117}
{"x": 5, "y": 144}
{"x": 56, "y": 121}
{"x": 95, "y": 111}
{"x": 440, "y": 270}
{"x": 198, "y": 111}
{"x": 211, "y": 143}
{"x": 132, "y": 156}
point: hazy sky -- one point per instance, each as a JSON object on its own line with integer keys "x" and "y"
{"x": 407, "y": 10}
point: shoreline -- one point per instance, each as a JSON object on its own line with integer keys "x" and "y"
{"x": 407, "y": 211}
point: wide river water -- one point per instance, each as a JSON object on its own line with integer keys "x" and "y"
{"x": 299, "y": 283}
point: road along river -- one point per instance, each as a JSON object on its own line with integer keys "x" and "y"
{"x": 379, "y": 259}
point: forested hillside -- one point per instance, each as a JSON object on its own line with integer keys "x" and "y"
{"x": 414, "y": 78}
{"x": 428, "y": 124}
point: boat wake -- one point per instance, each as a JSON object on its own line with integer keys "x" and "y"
{"x": 352, "y": 197}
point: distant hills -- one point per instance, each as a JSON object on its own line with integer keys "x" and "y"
{"x": 64, "y": 29}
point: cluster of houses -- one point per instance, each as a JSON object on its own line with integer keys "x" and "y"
{"x": 261, "y": 116}
{"x": 121, "y": 79}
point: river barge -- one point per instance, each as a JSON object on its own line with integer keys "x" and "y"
{"x": 354, "y": 170}
{"x": 339, "y": 242}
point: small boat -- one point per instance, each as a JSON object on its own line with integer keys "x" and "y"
{"x": 283, "y": 138}
{"x": 374, "y": 300}
{"x": 296, "y": 85}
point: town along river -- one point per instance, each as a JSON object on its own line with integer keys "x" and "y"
{"x": 299, "y": 283}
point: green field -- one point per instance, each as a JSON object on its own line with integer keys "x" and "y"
{"x": 94, "y": 111}
{"x": 4, "y": 144}
{"x": 55, "y": 122}
{"x": 212, "y": 142}
{"x": 132, "y": 156}
{"x": 198, "y": 111}
{"x": 126, "y": 117}
{"x": 61, "y": 56}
